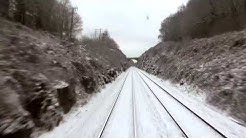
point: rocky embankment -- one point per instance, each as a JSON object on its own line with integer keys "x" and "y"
{"x": 217, "y": 65}
{"x": 43, "y": 77}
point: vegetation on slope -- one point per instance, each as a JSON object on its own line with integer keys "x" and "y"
{"x": 42, "y": 77}
{"x": 55, "y": 16}
{"x": 215, "y": 64}
{"x": 204, "y": 18}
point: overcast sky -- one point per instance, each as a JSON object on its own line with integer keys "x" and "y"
{"x": 126, "y": 20}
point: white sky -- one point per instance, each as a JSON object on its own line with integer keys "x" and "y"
{"x": 126, "y": 20}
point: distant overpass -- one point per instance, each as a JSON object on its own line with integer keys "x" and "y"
{"x": 135, "y": 59}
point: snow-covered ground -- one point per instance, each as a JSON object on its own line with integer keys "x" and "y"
{"x": 220, "y": 121}
{"x": 138, "y": 113}
{"x": 87, "y": 121}
{"x": 151, "y": 118}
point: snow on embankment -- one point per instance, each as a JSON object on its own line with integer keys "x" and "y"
{"x": 42, "y": 77}
{"x": 216, "y": 65}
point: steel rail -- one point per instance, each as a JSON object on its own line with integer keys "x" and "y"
{"x": 112, "y": 108}
{"x": 164, "y": 107}
{"x": 220, "y": 133}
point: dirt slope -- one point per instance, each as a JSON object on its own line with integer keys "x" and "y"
{"x": 216, "y": 65}
{"x": 42, "y": 77}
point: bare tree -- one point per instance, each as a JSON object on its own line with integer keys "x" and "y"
{"x": 4, "y": 8}
{"x": 77, "y": 25}
{"x": 50, "y": 15}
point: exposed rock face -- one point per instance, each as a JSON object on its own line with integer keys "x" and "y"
{"x": 216, "y": 65}
{"x": 66, "y": 95}
{"x": 89, "y": 84}
{"x": 42, "y": 77}
{"x": 15, "y": 120}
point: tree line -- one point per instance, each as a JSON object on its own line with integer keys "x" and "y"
{"x": 58, "y": 17}
{"x": 102, "y": 39}
{"x": 204, "y": 18}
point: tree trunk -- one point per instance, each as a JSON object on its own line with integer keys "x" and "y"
{"x": 4, "y": 8}
{"x": 20, "y": 11}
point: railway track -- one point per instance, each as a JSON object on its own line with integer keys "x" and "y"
{"x": 138, "y": 106}
{"x": 112, "y": 108}
{"x": 134, "y": 114}
{"x": 178, "y": 101}
{"x": 134, "y": 110}
{"x": 185, "y": 135}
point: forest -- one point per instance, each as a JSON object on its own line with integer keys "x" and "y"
{"x": 204, "y": 18}
{"x": 57, "y": 17}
